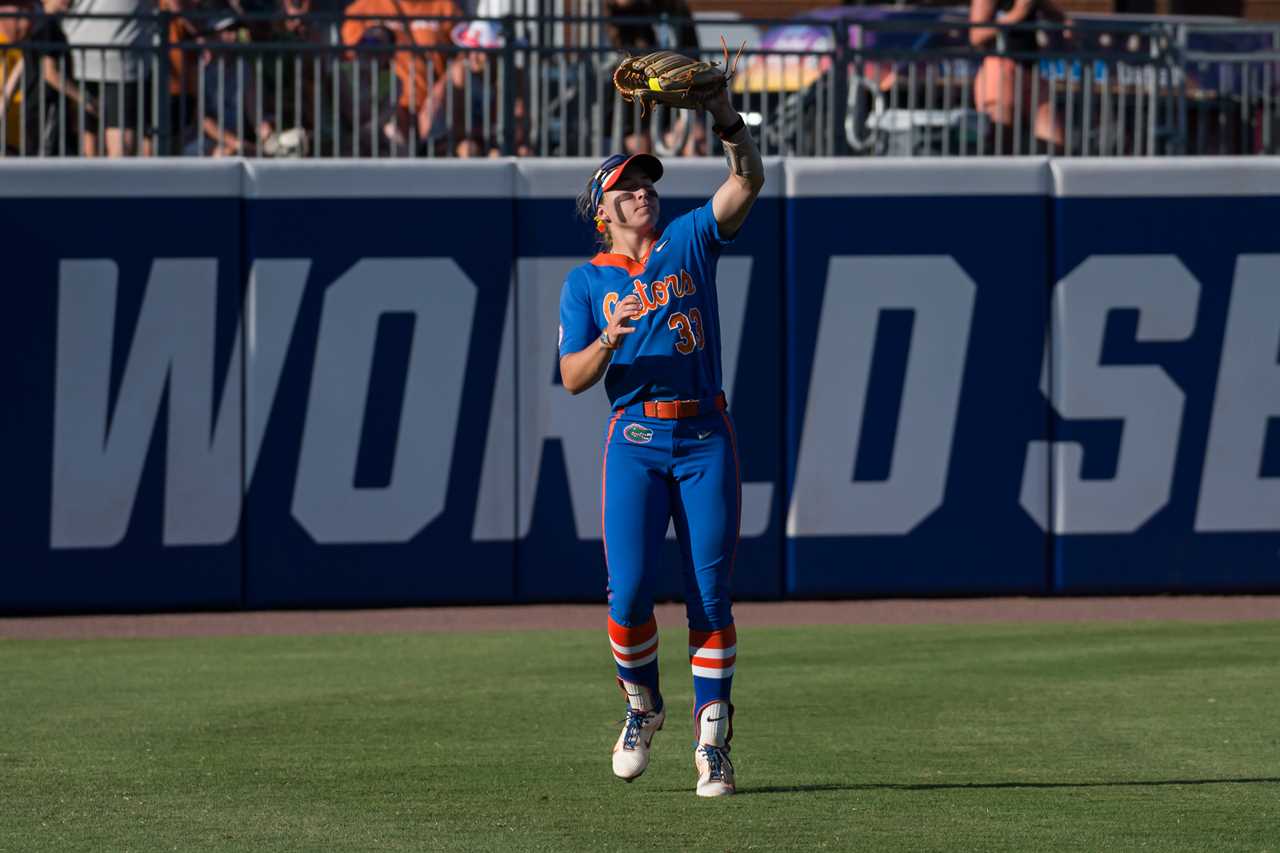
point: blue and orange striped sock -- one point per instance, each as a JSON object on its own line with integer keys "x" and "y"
{"x": 712, "y": 655}
{"x": 635, "y": 652}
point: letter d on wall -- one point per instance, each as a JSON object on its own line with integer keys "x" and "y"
{"x": 826, "y": 500}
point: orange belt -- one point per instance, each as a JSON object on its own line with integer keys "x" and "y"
{"x": 672, "y": 409}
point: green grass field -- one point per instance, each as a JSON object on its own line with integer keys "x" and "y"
{"x": 1162, "y": 737}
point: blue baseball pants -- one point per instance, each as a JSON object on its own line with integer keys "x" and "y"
{"x": 685, "y": 471}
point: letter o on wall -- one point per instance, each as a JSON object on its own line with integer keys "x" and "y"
{"x": 442, "y": 300}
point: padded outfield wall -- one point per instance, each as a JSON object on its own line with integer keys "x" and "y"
{"x": 334, "y": 384}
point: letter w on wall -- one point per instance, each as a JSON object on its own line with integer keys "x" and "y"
{"x": 99, "y": 450}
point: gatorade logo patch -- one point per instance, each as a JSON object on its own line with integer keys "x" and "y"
{"x": 637, "y": 434}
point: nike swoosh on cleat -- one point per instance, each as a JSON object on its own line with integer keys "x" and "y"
{"x": 714, "y": 719}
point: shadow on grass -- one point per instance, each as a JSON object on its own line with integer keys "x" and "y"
{"x": 981, "y": 786}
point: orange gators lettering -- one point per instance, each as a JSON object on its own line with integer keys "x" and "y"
{"x": 664, "y": 290}
{"x": 610, "y": 302}
{"x": 643, "y": 292}
{"x": 654, "y": 295}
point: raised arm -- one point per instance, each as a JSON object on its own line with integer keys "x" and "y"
{"x": 732, "y": 201}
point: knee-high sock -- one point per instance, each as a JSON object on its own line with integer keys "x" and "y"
{"x": 712, "y": 655}
{"x": 635, "y": 651}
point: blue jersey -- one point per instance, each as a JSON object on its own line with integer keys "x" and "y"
{"x": 674, "y": 354}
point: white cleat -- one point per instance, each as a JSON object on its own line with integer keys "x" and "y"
{"x": 711, "y": 756}
{"x": 631, "y": 752}
{"x": 715, "y": 771}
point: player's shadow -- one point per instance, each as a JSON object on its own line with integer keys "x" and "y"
{"x": 980, "y": 786}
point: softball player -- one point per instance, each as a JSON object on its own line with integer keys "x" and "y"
{"x": 643, "y": 315}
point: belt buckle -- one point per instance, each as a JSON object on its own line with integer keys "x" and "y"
{"x": 671, "y": 409}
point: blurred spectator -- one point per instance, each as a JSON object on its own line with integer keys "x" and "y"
{"x": 404, "y": 25}
{"x": 640, "y": 36}
{"x": 996, "y": 88}
{"x": 290, "y": 125}
{"x": 42, "y": 105}
{"x": 60, "y": 129}
{"x": 183, "y": 34}
{"x": 225, "y": 124}
{"x": 637, "y": 37}
{"x": 453, "y": 119}
{"x": 13, "y": 73}
{"x": 115, "y": 77}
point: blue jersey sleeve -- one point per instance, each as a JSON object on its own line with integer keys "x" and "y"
{"x": 706, "y": 231}
{"x": 577, "y": 322}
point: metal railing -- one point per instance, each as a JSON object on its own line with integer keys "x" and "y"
{"x": 1079, "y": 92}
{"x": 1230, "y": 97}
{"x": 288, "y": 86}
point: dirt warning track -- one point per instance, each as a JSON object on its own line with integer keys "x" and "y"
{"x": 568, "y": 616}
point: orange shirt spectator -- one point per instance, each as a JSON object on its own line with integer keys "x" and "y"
{"x": 15, "y": 72}
{"x": 410, "y": 66}
{"x": 182, "y": 80}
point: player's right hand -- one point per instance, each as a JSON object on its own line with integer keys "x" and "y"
{"x": 627, "y": 309}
